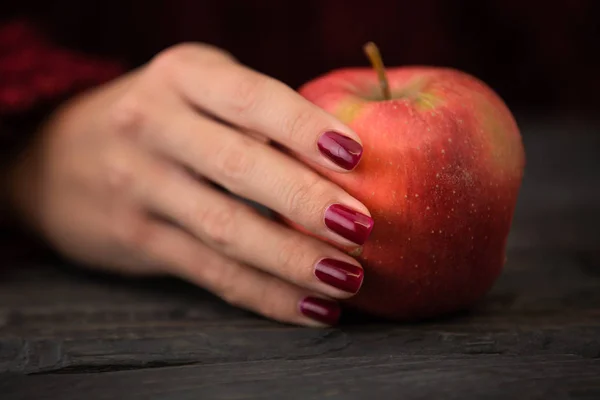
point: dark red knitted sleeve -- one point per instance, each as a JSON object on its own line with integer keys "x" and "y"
{"x": 36, "y": 75}
{"x": 34, "y": 71}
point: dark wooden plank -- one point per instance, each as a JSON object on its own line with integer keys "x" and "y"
{"x": 386, "y": 376}
{"x": 543, "y": 304}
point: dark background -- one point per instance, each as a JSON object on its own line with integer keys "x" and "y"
{"x": 540, "y": 56}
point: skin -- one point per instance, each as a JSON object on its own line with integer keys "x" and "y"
{"x": 123, "y": 178}
{"x": 441, "y": 171}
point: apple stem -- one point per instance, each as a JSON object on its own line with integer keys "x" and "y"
{"x": 377, "y": 62}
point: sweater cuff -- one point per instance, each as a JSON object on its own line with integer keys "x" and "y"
{"x": 34, "y": 71}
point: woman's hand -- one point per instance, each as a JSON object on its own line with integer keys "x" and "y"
{"x": 125, "y": 178}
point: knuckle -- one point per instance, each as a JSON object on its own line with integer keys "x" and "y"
{"x": 234, "y": 290}
{"x": 232, "y": 294}
{"x": 263, "y": 298}
{"x": 229, "y": 287}
{"x": 298, "y": 126}
{"x": 171, "y": 60}
{"x": 248, "y": 90}
{"x": 293, "y": 257}
{"x": 218, "y": 224}
{"x": 135, "y": 234}
{"x": 305, "y": 197}
{"x": 128, "y": 117}
{"x": 209, "y": 274}
{"x": 120, "y": 176}
{"x": 236, "y": 162}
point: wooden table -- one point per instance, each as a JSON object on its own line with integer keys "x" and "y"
{"x": 68, "y": 335}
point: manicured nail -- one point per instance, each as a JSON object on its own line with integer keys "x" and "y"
{"x": 340, "y": 149}
{"x": 348, "y": 223}
{"x": 325, "y": 311}
{"x": 339, "y": 274}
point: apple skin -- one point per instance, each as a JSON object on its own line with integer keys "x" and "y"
{"x": 442, "y": 166}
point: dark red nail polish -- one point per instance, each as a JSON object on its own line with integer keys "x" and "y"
{"x": 322, "y": 310}
{"x": 339, "y": 274}
{"x": 340, "y": 149}
{"x": 349, "y": 223}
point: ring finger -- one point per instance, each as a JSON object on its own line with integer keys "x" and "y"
{"x": 235, "y": 230}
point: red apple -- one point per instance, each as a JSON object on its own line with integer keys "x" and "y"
{"x": 441, "y": 170}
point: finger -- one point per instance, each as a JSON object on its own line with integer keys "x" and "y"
{"x": 236, "y": 230}
{"x": 239, "y": 285}
{"x": 264, "y": 175}
{"x": 257, "y": 102}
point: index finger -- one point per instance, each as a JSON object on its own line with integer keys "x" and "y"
{"x": 254, "y": 101}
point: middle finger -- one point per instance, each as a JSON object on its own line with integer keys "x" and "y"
{"x": 260, "y": 173}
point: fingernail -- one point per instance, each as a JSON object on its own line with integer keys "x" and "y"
{"x": 340, "y": 149}
{"x": 348, "y": 223}
{"x": 339, "y": 274}
{"x": 322, "y": 310}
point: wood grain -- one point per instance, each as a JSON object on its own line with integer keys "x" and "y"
{"x": 390, "y": 376}
{"x": 66, "y": 333}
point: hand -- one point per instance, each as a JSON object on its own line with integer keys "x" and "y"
{"x": 126, "y": 177}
